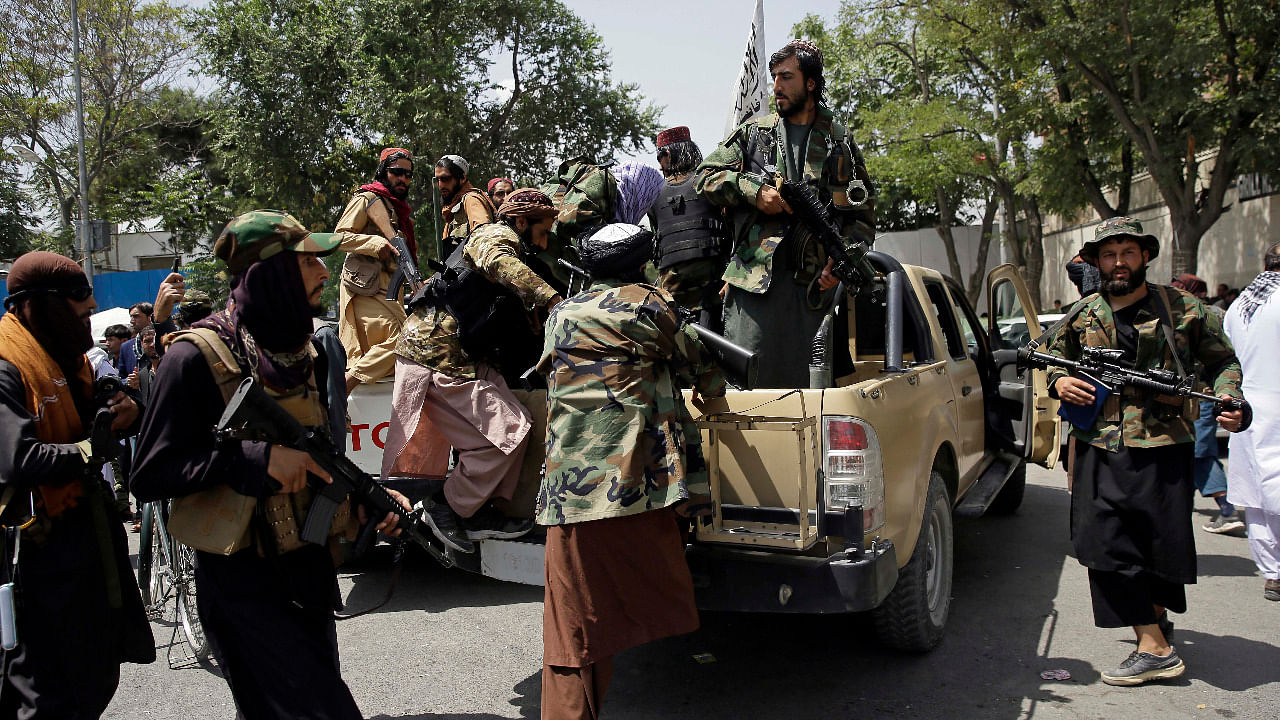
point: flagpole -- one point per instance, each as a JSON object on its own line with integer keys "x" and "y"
{"x": 85, "y": 243}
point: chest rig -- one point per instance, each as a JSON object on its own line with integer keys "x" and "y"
{"x": 220, "y": 520}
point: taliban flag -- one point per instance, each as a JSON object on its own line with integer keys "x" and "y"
{"x": 751, "y": 92}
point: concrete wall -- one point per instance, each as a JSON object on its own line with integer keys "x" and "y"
{"x": 131, "y": 251}
{"x": 925, "y": 248}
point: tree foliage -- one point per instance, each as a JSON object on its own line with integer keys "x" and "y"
{"x": 131, "y": 54}
{"x": 311, "y": 89}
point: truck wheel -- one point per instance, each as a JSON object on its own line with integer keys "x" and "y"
{"x": 1009, "y": 499}
{"x": 914, "y": 614}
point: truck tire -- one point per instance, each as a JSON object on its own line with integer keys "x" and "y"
{"x": 1009, "y": 499}
{"x": 914, "y": 614}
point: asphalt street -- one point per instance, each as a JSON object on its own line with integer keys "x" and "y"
{"x": 455, "y": 646}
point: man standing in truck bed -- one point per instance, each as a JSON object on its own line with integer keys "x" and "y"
{"x": 778, "y": 274}
{"x": 1132, "y": 500}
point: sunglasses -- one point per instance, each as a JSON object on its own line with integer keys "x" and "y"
{"x": 401, "y": 172}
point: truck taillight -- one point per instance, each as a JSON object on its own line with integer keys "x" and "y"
{"x": 853, "y": 468}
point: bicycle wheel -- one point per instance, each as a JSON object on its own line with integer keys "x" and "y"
{"x": 188, "y": 611}
{"x": 157, "y": 587}
{"x": 145, "y": 553}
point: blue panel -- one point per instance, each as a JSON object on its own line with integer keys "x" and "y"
{"x": 122, "y": 289}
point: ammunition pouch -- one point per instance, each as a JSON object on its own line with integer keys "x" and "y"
{"x": 362, "y": 275}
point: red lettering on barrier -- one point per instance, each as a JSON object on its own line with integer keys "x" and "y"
{"x": 355, "y": 436}
{"x": 377, "y": 436}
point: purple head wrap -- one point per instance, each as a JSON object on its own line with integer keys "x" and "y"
{"x": 638, "y": 186}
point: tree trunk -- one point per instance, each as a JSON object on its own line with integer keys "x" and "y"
{"x": 946, "y": 216}
{"x": 979, "y": 274}
{"x": 1185, "y": 248}
{"x": 1035, "y": 250}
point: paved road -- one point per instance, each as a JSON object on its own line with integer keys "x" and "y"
{"x": 460, "y": 647}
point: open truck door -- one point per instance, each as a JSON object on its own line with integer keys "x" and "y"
{"x": 1027, "y": 418}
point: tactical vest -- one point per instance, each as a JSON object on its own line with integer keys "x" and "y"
{"x": 688, "y": 227}
{"x": 459, "y": 227}
{"x": 493, "y": 325}
{"x": 218, "y": 519}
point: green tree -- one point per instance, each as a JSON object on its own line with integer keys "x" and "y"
{"x": 303, "y": 128}
{"x": 1178, "y": 78}
{"x": 130, "y": 54}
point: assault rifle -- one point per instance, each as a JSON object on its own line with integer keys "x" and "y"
{"x": 406, "y": 270}
{"x": 1104, "y": 365}
{"x": 850, "y": 265}
{"x": 252, "y": 413}
{"x": 738, "y": 363}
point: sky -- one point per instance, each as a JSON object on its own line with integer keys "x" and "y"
{"x": 685, "y": 55}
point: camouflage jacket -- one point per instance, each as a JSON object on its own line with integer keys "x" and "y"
{"x": 431, "y": 334}
{"x": 1136, "y": 418}
{"x": 620, "y": 440}
{"x": 733, "y": 174}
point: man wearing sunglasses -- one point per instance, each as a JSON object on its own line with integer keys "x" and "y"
{"x": 76, "y": 609}
{"x": 466, "y": 207}
{"x": 368, "y": 324}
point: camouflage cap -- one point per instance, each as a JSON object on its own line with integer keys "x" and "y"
{"x": 259, "y": 234}
{"x": 197, "y": 297}
{"x": 1120, "y": 226}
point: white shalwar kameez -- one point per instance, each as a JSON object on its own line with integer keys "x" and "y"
{"x": 1253, "y": 474}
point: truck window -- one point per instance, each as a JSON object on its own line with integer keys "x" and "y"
{"x": 870, "y": 318}
{"x": 1010, "y": 319}
{"x": 969, "y": 325}
{"x": 946, "y": 319}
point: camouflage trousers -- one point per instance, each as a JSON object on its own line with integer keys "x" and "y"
{"x": 696, "y": 286}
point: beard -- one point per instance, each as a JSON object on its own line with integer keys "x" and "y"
{"x": 400, "y": 191}
{"x": 1119, "y": 288}
{"x": 796, "y": 105}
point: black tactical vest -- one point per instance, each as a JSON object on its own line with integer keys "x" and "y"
{"x": 688, "y": 227}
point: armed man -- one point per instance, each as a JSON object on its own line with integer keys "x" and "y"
{"x": 779, "y": 275}
{"x": 624, "y": 463}
{"x": 266, "y": 596}
{"x": 369, "y": 323}
{"x": 475, "y": 321}
{"x": 466, "y": 207}
{"x": 1131, "y": 503}
{"x": 70, "y": 612}
{"x": 691, "y": 235}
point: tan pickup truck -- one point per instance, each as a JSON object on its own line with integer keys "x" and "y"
{"x": 841, "y": 497}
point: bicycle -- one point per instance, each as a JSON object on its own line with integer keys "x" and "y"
{"x": 166, "y": 571}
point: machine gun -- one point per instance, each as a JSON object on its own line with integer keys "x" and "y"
{"x": 253, "y": 413}
{"x": 406, "y": 270}
{"x": 850, "y": 265}
{"x": 1104, "y": 365}
{"x": 738, "y": 363}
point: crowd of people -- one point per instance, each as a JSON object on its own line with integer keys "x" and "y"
{"x": 564, "y": 283}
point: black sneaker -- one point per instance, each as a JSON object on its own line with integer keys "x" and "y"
{"x": 489, "y": 523}
{"x": 1221, "y": 524}
{"x": 444, "y": 523}
{"x": 1140, "y": 667}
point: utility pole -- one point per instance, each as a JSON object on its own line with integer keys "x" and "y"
{"x": 85, "y": 242}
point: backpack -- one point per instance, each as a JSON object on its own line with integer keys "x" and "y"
{"x": 585, "y": 194}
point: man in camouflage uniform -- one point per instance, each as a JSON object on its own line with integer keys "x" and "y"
{"x": 778, "y": 275}
{"x": 368, "y": 323}
{"x": 445, "y": 390}
{"x": 466, "y": 207}
{"x": 623, "y": 458}
{"x": 1131, "y": 503}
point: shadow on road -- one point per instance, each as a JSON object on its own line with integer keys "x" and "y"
{"x": 426, "y": 586}
{"x": 529, "y": 692}
{"x": 999, "y": 638}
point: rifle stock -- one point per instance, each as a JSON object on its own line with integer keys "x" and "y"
{"x": 253, "y": 413}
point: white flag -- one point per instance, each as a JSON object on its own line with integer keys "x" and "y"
{"x": 751, "y": 93}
